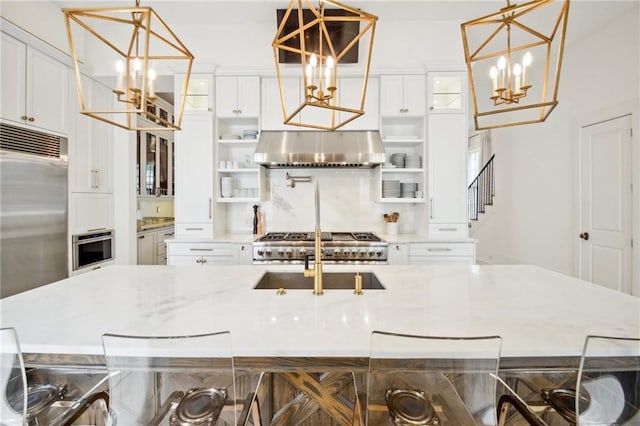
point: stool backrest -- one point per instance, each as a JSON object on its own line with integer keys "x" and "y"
{"x": 149, "y": 374}
{"x": 451, "y": 377}
{"x": 13, "y": 381}
{"x": 609, "y": 376}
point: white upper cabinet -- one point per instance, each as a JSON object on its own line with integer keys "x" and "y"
{"x": 237, "y": 96}
{"x": 272, "y": 117}
{"x": 35, "y": 87}
{"x": 402, "y": 95}
{"x": 90, "y": 147}
{"x": 447, "y": 92}
{"x": 350, "y": 94}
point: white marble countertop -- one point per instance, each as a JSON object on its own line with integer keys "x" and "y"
{"x": 392, "y": 239}
{"x": 537, "y": 312}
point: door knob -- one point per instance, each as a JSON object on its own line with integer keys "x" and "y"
{"x": 584, "y": 236}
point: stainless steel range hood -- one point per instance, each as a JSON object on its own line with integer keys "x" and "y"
{"x": 347, "y": 148}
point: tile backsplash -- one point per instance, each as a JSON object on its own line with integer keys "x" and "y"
{"x": 347, "y": 203}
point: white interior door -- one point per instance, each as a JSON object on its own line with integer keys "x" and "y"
{"x": 606, "y": 195}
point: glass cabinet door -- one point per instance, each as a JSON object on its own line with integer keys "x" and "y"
{"x": 163, "y": 167}
{"x": 447, "y": 92}
{"x": 150, "y": 166}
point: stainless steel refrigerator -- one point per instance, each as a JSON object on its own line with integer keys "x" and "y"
{"x": 33, "y": 209}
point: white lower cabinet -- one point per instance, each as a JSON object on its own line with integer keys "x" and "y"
{"x": 200, "y": 253}
{"x": 147, "y": 248}
{"x": 244, "y": 253}
{"x": 397, "y": 254}
{"x": 152, "y": 248}
{"x": 434, "y": 253}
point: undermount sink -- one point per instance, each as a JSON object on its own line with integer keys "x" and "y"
{"x": 330, "y": 281}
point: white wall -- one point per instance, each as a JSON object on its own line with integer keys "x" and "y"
{"x": 536, "y": 218}
{"x": 346, "y": 201}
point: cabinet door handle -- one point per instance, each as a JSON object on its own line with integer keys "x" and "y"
{"x": 210, "y": 207}
{"x": 95, "y": 229}
{"x": 447, "y": 229}
{"x": 31, "y": 119}
{"x": 200, "y": 249}
{"x": 430, "y": 208}
{"x": 97, "y": 178}
{"x": 193, "y": 229}
{"x": 140, "y": 237}
{"x": 439, "y": 249}
{"x": 23, "y": 117}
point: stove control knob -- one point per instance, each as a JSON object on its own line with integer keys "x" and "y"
{"x": 267, "y": 252}
{"x": 289, "y": 252}
{"x": 327, "y": 252}
{"x": 303, "y": 252}
{"x": 363, "y": 253}
{"x": 354, "y": 253}
{"x": 379, "y": 253}
{"x": 281, "y": 252}
{"x": 337, "y": 253}
{"x": 372, "y": 253}
{"x": 260, "y": 252}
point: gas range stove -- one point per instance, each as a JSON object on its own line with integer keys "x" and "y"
{"x": 337, "y": 247}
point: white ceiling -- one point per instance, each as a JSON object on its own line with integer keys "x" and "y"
{"x": 585, "y": 15}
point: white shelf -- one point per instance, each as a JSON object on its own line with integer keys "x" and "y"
{"x": 400, "y": 170}
{"x": 239, "y": 170}
{"x": 402, "y": 142}
{"x": 238, "y": 200}
{"x": 401, "y": 200}
{"x": 237, "y": 141}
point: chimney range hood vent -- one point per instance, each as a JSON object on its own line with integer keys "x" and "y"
{"x": 347, "y": 148}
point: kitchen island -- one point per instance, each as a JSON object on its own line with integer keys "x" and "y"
{"x": 542, "y": 316}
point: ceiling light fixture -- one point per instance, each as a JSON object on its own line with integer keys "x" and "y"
{"x": 134, "y": 41}
{"x": 319, "y": 43}
{"x": 513, "y": 61}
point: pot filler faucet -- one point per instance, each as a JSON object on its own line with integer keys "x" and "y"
{"x": 316, "y": 272}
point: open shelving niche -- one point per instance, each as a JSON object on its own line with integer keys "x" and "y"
{"x": 402, "y": 135}
{"x": 247, "y": 175}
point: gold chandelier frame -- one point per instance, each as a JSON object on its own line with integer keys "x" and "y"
{"x": 145, "y": 26}
{"x": 503, "y": 100}
{"x": 319, "y": 95}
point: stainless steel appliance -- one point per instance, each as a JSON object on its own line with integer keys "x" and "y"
{"x": 345, "y": 148}
{"x": 92, "y": 248}
{"x": 33, "y": 209}
{"x": 337, "y": 247}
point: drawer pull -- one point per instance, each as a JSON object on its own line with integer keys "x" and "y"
{"x": 201, "y": 249}
{"x": 448, "y": 229}
{"x": 193, "y": 229}
{"x": 439, "y": 249}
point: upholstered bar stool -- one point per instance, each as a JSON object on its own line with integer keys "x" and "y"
{"x": 427, "y": 380}
{"x": 33, "y": 404}
{"x": 605, "y": 392}
{"x": 175, "y": 381}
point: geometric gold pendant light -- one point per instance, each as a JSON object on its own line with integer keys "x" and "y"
{"x": 133, "y": 42}
{"x": 513, "y": 58}
{"x": 311, "y": 43}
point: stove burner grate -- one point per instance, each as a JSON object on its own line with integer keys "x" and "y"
{"x": 365, "y": 236}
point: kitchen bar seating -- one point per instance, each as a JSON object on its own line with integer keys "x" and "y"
{"x": 175, "y": 381}
{"x": 426, "y": 380}
{"x": 605, "y": 391}
{"x": 34, "y": 404}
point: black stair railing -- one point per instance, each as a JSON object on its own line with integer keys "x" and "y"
{"x": 481, "y": 191}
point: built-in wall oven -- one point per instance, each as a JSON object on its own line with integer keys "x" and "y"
{"x": 91, "y": 249}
